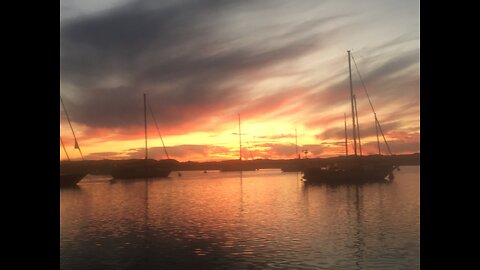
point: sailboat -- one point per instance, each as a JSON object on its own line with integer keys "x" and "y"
{"x": 294, "y": 165}
{"x": 143, "y": 168}
{"x": 68, "y": 177}
{"x": 238, "y": 165}
{"x": 353, "y": 169}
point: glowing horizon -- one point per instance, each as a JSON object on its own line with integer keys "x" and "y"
{"x": 280, "y": 65}
{"x": 280, "y": 146}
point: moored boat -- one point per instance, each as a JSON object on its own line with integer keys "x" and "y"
{"x": 144, "y": 168}
{"x": 349, "y": 174}
{"x": 356, "y": 168}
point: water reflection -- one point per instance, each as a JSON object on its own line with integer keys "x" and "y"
{"x": 241, "y": 192}
{"x": 248, "y": 220}
{"x": 359, "y": 243}
{"x": 70, "y": 188}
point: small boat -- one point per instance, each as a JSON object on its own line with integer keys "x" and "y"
{"x": 143, "y": 168}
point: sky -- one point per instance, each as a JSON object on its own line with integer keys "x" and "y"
{"x": 281, "y": 65}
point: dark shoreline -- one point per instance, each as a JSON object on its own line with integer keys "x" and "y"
{"x": 106, "y": 166}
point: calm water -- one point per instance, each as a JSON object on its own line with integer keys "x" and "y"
{"x": 226, "y": 220}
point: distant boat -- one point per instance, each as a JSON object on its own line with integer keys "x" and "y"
{"x": 354, "y": 169}
{"x": 145, "y": 168}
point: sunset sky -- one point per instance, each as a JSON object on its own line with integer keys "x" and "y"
{"x": 282, "y": 65}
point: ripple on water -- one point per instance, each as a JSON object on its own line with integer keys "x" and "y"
{"x": 220, "y": 221}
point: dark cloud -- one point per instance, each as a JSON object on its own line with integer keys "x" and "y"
{"x": 178, "y": 54}
{"x": 392, "y": 67}
{"x": 404, "y": 38}
{"x": 387, "y": 84}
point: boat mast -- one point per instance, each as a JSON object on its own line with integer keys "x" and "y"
{"x": 158, "y": 130}
{"x": 145, "y": 119}
{"x": 240, "y": 136}
{"x": 371, "y": 105}
{"x": 346, "y": 136}
{"x": 64, "y": 149}
{"x": 353, "y": 109}
{"x": 358, "y": 124}
{"x": 378, "y": 139}
{"x": 73, "y": 132}
{"x": 296, "y": 145}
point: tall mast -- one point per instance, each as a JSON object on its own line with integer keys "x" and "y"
{"x": 358, "y": 124}
{"x": 158, "y": 130}
{"x": 353, "y": 109}
{"x": 73, "y": 132}
{"x": 145, "y": 119}
{"x": 371, "y": 105}
{"x": 64, "y": 149}
{"x": 378, "y": 140}
{"x": 346, "y": 136}
{"x": 296, "y": 145}
{"x": 240, "y": 136}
